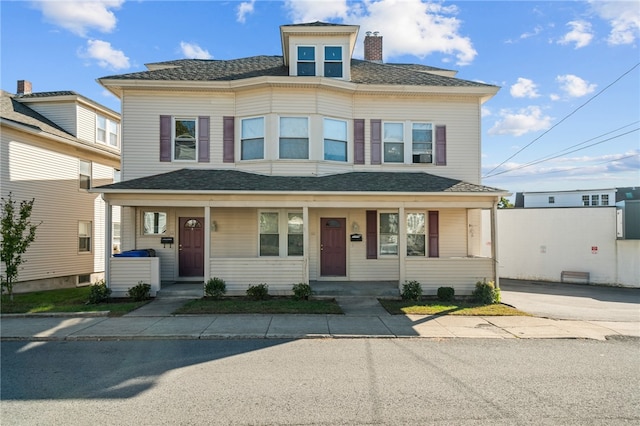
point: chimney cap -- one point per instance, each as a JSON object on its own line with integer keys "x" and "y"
{"x": 24, "y": 87}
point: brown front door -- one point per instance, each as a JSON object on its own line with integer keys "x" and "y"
{"x": 333, "y": 247}
{"x": 191, "y": 247}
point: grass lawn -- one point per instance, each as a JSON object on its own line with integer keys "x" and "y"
{"x": 436, "y": 307}
{"x": 63, "y": 300}
{"x": 274, "y": 305}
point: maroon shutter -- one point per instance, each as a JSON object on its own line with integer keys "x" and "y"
{"x": 376, "y": 141}
{"x": 165, "y": 138}
{"x": 228, "y": 138}
{"x": 433, "y": 234}
{"x": 358, "y": 141}
{"x": 203, "y": 139}
{"x": 441, "y": 145}
{"x": 372, "y": 234}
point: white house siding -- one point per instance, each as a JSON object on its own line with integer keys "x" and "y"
{"x": 538, "y": 244}
{"x": 127, "y": 272}
{"x": 278, "y": 273}
{"x": 460, "y": 273}
{"x": 86, "y": 120}
{"x": 31, "y": 170}
{"x": 62, "y": 113}
{"x": 566, "y": 198}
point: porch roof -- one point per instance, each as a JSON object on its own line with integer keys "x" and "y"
{"x": 233, "y": 181}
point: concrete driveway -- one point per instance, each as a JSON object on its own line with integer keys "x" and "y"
{"x": 572, "y": 301}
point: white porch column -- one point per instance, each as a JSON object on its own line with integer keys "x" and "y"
{"x": 402, "y": 244}
{"x": 108, "y": 243}
{"x": 305, "y": 242}
{"x": 494, "y": 242}
{"x": 207, "y": 243}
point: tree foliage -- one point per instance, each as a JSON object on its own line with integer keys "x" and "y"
{"x": 17, "y": 234}
{"x": 504, "y": 203}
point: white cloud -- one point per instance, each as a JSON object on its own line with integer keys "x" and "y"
{"x": 245, "y": 8}
{"x": 574, "y": 86}
{"x": 524, "y": 88}
{"x": 409, "y": 27}
{"x": 624, "y": 18}
{"x": 193, "y": 51}
{"x": 107, "y": 56}
{"x": 580, "y": 34}
{"x": 80, "y": 16}
{"x": 530, "y": 119}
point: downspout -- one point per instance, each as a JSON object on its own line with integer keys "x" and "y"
{"x": 108, "y": 243}
{"x": 494, "y": 242}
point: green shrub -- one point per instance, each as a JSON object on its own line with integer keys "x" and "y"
{"x": 258, "y": 292}
{"x": 98, "y": 293}
{"x": 139, "y": 292}
{"x": 486, "y": 293}
{"x": 301, "y": 291}
{"x": 215, "y": 288}
{"x": 446, "y": 294}
{"x": 411, "y": 290}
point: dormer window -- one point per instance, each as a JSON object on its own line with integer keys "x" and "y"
{"x": 306, "y": 60}
{"x": 333, "y": 61}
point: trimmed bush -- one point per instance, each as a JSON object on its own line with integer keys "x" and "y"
{"x": 301, "y": 291}
{"x": 446, "y": 294}
{"x": 98, "y": 293}
{"x": 411, "y": 290}
{"x": 215, "y": 288}
{"x": 258, "y": 292}
{"x": 486, "y": 293}
{"x": 139, "y": 292}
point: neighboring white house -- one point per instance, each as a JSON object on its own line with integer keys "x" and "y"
{"x": 55, "y": 147}
{"x": 574, "y": 198}
{"x": 309, "y": 166}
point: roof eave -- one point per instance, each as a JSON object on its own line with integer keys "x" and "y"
{"x": 340, "y": 193}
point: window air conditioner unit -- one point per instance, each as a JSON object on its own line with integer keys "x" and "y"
{"x": 425, "y": 158}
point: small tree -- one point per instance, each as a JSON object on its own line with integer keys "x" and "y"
{"x": 17, "y": 234}
{"x": 504, "y": 203}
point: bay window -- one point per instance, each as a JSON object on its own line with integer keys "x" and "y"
{"x": 335, "y": 140}
{"x": 252, "y": 139}
{"x": 294, "y": 138}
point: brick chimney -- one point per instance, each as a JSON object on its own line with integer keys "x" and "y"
{"x": 24, "y": 87}
{"x": 373, "y": 47}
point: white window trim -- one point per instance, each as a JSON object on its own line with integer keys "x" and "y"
{"x": 283, "y": 231}
{"x": 315, "y": 61}
{"x": 264, "y": 138}
{"x": 90, "y": 237}
{"x": 410, "y": 139}
{"x": 142, "y": 229}
{"x": 117, "y": 133}
{"x": 80, "y": 174}
{"x": 404, "y": 141}
{"x": 348, "y": 140}
{"x": 173, "y": 138}
{"x": 378, "y": 234}
{"x": 310, "y": 150}
{"x": 407, "y": 135}
{"x": 342, "y": 61}
{"x": 98, "y": 128}
{"x": 426, "y": 233}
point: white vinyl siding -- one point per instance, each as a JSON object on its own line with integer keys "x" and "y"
{"x": 64, "y": 114}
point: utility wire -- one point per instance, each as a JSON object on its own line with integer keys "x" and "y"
{"x": 565, "y": 118}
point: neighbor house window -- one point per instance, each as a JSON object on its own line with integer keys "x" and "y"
{"x": 115, "y": 243}
{"x": 294, "y": 137}
{"x": 154, "y": 223}
{"x": 101, "y": 129}
{"x": 295, "y": 234}
{"x": 112, "y": 128}
{"x": 184, "y": 139}
{"x": 333, "y": 61}
{"x": 85, "y": 174}
{"x": 422, "y": 142}
{"x": 393, "y": 140}
{"x": 595, "y": 200}
{"x": 415, "y": 234}
{"x": 84, "y": 236}
{"x": 269, "y": 234}
{"x": 306, "y": 60}
{"x": 335, "y": 140}
{"x": 585, "y": 200}
{"x": 605, "y": 199}
{"x": 252, "y": 139}
{"x": 389, "y": 228}
{"x": 552, "y": 200}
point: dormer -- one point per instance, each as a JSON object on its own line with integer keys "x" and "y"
{"x": 319, "y": 49}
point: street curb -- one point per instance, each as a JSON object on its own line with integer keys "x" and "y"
{"x": 89, "y": 314}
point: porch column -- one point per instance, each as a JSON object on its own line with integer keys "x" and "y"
{"x": 108, "y": 243}
{"x": 305, "y": 242}
{"x": 207, "y": 243}
{"x": 494, "y": 242}
{"x": 402, "y": 244}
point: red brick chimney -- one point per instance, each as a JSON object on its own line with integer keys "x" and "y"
{"x": 24, "y": 87}
{"x": 373, "y": 47}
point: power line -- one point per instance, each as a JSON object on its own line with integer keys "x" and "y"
{"x": 565, "y": 118}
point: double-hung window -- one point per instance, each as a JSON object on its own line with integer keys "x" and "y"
{"x": 605, "y": 199}
{"x": 422, "y": 142}
{"x": 252, "y": 139}
{"x": 585, "y": 200}
{"x": 184, "y": 139}
{"x": 416, "y": 234}
{"x": 389, "y": 228}
{"x": 154, "y": 223}
{"x": 335, "y": 140}
{"x": 101, "y": 129}
{"x": 333, "y": 61}
{"x": 595, "y": 200}
{"x": 281, "y": 233}
{"x": 84, "y": 236}
{"x": 393, "y": 142}
{"x": 294, "y": 137}
{"x": 306, "y": 61}
{"x": 112, "y": 129}
{"x": 84, "y": 177}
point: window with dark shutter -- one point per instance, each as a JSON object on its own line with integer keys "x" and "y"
{"x": 434, "y": 250}
{"x": 165, "y": 138}
{"x": 372, "y": 234}
{"x": 376, "y": 141}
{"x": 441, "y": 145}
{"x": 203, "y": 139}
{"x": 358, "y": 141}
{"x": 228, "y": 136}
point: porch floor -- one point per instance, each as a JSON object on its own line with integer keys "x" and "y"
{"x": 383, "y": 289}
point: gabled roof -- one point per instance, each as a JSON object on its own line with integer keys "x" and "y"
{"x": 12, "y": 110}
{"x": 233, "y": 181}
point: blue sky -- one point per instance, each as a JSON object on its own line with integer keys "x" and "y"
{"x": 567, "y": 115}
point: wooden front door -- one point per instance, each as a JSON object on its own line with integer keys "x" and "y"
{"x": 333, "y": 247}
{"x": 191, "y": 247}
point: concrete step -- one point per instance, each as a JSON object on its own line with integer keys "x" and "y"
{"x": 186, "y": 291}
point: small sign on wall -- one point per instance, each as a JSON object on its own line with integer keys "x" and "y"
{"x": 594, "y": 249}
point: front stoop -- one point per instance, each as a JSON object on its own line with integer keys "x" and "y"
{"x": 181, "y": 291}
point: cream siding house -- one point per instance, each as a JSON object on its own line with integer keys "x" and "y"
{"x": 310, "y": 166}
{"x": 55, "y": 147}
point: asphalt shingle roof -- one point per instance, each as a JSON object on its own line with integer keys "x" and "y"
{"x": 201, "y": 180}
{"x": 12, "y": 110}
